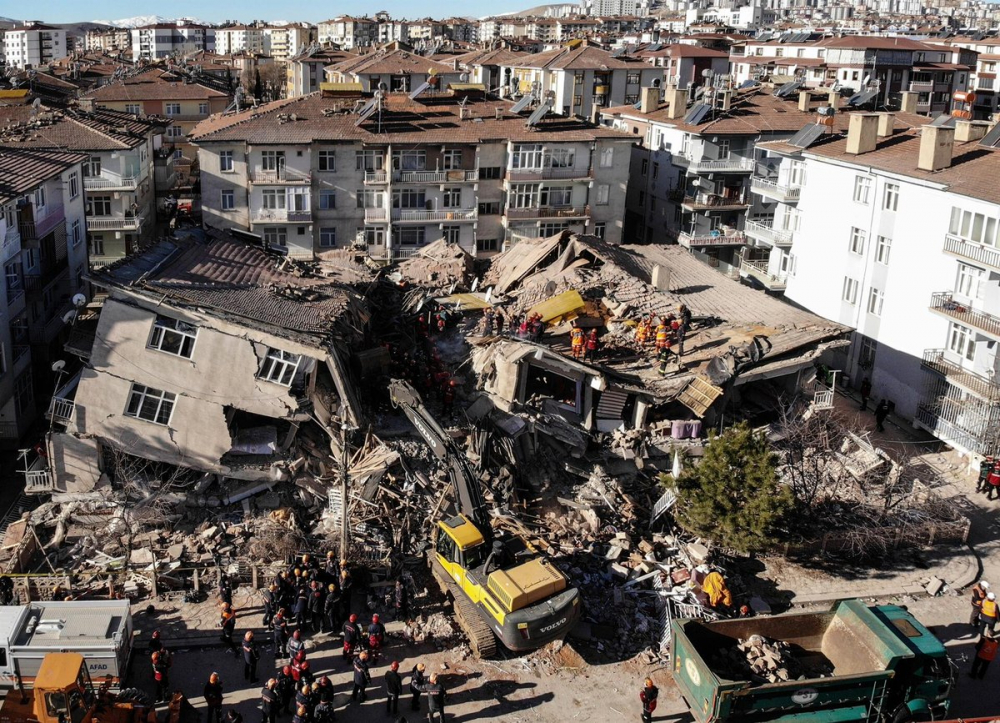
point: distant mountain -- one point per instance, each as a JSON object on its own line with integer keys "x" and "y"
{"x": 139, "y": 20}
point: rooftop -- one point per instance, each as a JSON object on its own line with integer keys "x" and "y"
{"x": 394, "y": 62}
{"x": 22, "y": 170}
{"x": 73, "y": 129}
{"x": 157, "y": 84}
{"x": 583, "y": 57}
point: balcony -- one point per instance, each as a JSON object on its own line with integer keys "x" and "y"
{"x": 408, "y": 215}
{"x": 945, "y": 419}
{"x": 280, "y": 215}
{"x": 733, "y": 164}
{"x": 60, "y": 411}
{"x": 11, "y": 243}
{"x": 758, "y": 269}
{"x": 116, "y": 223}
{"x": 381, "y": 253}
{"x": 771, "y": 189}
{"x": 21, "y": 352}
{"x": 110, "y": 182}
{"x": 549, "y": 173}
{"x": 549, "y": 212}
{"x": 943, "y": 303}
{"x": 376, "y": 215}
{"x": 455, "y": 176}
{"x": 705, "y": 201}
{"x": 99, "y": 262}
{"x": 922, "y": 86}
{"x": 37, "y": 479}
{"x": 968, "y": 250}
{"x": 33, "y": 225}
{"x": 986, "y": 84}
{"x": 36, "y": 284}
{"x": 714, "y": 239}
{"x": 769, "y": 235}
{"x": 988, "y": 389}
{"x": 376, "y": 178}
{"x": 280, "y": 176}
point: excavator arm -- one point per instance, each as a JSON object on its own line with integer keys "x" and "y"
{"x": 465, "y": 482}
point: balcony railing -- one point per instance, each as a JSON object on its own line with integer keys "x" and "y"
{"x": 733, "y": 164}
{"x": 110, "y": 182}
{"x": 376, "y": 215}
{"x": 688, "y": 240}
{"x": 60, "y": 411}
{"x": 39, "y": 227}
{"x": 921, "y": 86}
{"x": 280, "y": 176}
{"x": 941, "y": 421}
{"x": 116, "y": 223}
{"x": 713, "y": 200}
{"x": 381, "y": 253}
{"x": 13, "y": 295}
{"x": 986, "y": 255}
{"x": 549, "y": 212}
{"x": 280, "y": 215}
{"x": 547, "y": 173}
{"x": 944, "y": 304}
{"x": 771, "y": 189}
{"x": 760, "y": 230}
{"x": 988, "y": 389}
{"x": 405, "y": 215}
{"x": 376, "y": 178}
{"x": 11, "y": 243}
{"x": 758, "y": 269}
{"x": 99, "y": 262}
{"x": 985, "y": 84}
{"x": 452, "y": 176}
{"x": 20, "y": 351}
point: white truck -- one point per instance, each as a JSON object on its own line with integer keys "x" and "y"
{"x": 99, "y": 630}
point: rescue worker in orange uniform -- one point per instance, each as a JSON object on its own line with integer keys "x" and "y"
{"x": 988, "y": 614}
{"x": 577, "y": 339}
{"x": 642, "y": 331}
{"x": 662, "y": 336}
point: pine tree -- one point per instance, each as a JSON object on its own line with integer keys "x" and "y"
{"x": 258, "y": 87}
{"x": 733, "y": 496}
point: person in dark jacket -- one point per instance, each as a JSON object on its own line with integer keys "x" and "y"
{"x": 326, "y": 693}
{"x": 286, "y": 688}
{"x": 332, "y": 568}
{"x": 155, "y": 643}
{"x": 295, "y": 645}
{"x": 161, "y": 674}
{"x": 213, "y": 698}
{"x": 324, "y": 712}
{"x": 346, "y": 590}
{"x": 225, "y": 589}
{"x": 303, "y": 697}
{"x": 393, "y": 688}
{"x": 280, "y": 635}
{"x": 270, "y": 701}
{"x": 417, "y": 679}
{"x": 331, "y": 608}
{"x": 352, "y": 636}
{"x": 251, "y": 654}
{"x": 402, "y": 598}
{"x": 228, "y": 625}
{"x": 317, "y": 597}
{"x": 435, "y": 699}
{"x": 362, "y": 677}
{"x": 301, "y": 715}
{"x": 270, "y": 604}
{"x": 866, "y": 393}
{"x": 648, "y": 696}
{"x": 376, "y": 636}
{"x": 301, "y": 609}
{"x": 881, "y": 412}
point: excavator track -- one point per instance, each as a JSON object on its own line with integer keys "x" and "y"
{"x": 481, "y": 638}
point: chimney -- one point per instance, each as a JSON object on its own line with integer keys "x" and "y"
{"x": 804, "y": 97}
{"x": 862, "y": 133}
{"x": 727, "y": 100}
{"x": 833, "y": 99}
{"x": 967, "y": 131}
{"x": 936, "y": 147}
{"x": 677, "y": 99}
{"x": 908, "y": 101}
{"x": 649, "y": 100}
{"x": 458, "y": 65}
{"x": 661, "y": 278}
{"x": 885, "y": 124}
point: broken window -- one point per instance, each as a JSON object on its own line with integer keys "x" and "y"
{"x": 152, "y": 405}
{"x": 279, "y": 367}
{"x": 173, "y": 337}
{"x": 548, "y": 384}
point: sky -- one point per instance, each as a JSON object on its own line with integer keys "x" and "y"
{"x": 67, "y": 11}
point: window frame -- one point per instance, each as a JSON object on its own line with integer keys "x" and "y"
{"x": 326, "y": 161}
{"x": 849, "y": 292}
{"x": 161, "y": 398}
{"x": 858, "y": 241}
{"x": 224, "y": 194}
{"x": 862, "y": 189}
{"x": 964, "y": 339}
{"x": 876, "y": 299}
{"x": 277, "y": 364}
{"x": 166, "y": 327}
{"x": 227, "y": 162}
{"x": 327, "y": 200}
{"x": 327, "y": 237}
{"x": 883, "y": 249}
{"x": 890, "y": 201}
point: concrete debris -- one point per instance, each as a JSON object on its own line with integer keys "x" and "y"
{"x": 763, "y": 660}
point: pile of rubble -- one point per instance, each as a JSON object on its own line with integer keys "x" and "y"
{"x": 762, "y": 660}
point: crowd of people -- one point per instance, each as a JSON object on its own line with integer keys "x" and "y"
{"x": 308, "y": 598}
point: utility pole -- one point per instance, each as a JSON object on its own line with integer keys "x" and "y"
{"x": 343, "y": 488}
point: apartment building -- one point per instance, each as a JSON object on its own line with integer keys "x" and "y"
{"x": 684, "y": 65}
{"x": 399, "y": 70}
{"x": 44, "y": 257}
{"x": 117, "y": 175}
{"x": 348, "y": 32}
{"x": 899, "y": 241}
{"x": 307, "y": 70}
{"x": 280, "y": 42}
{"x": 484, "y": 67}
{"x": 112, "y": 41}
{"x": 581, "y": 78}
{"x": 33, "y": 44}
{"x": 163, "y": 40}
{"x": 310, "y": 175}
{"x": 162, "y": 93}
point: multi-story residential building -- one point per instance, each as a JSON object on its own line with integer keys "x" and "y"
{"x": 899, "y": 241}
{"x": 581, "y": 78}
{"x": 306, "y": 71}
{"x": 162, "y": 93}
{"x": 152, "y": 42}
{"x": 684, "y": 65}
{"x": 484, "y": 67}
{"x": 348, "y": 32}
{"x": 117, "y": 177}
{"x": 113, "y": 40}
{"x": 288, "y": 41}
{"x": 33, "y": 44}
{"x": 309, "y": 175}
{"x": 280, "y": 42}
{"x": 44, "y": 256}
{"x": 393, "y": 31}
{"x": 399, "y": 70}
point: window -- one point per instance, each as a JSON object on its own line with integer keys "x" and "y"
{"x": 489, "y": 208}
{"x": 644, "y": 167}
{"x": 327, "y": 238}
{"x": 279, "y": 367}
{"x": 74, "y": 185}
{"x": 409, "y": 198}
{"x": 30, "y": 259}
{"x": 797, "y": 175}
{"x": 226, "y": 161}
{"x": 607, "y": 157}
{"x": 969, "y": 282}
{"x": 631, "y": 99}
{"x": 451, "y": 159}
{"x": 632, "y": 78}
{"x": 24, "y": 393}
{"x": 368, "y": 198}
{"x": 272, "y": 160}
{"x": 875, "y": 299}
{"x": 858, "y": 241}
{"x": 92, "y": 167}
{"x": 882, "y": 248}
{"x": 962, "y": 341}
{"x": 150, "y": 404}
{"x": 369, "y": 161}
{"x": 891, "y": 200}
{"x": 99, "y": 206}
{"x": 656, "y": 170}
{"x": 599, "y": 229}
{"x": 974, "y": 227}
{"x": 276, "y": 236}
{"x": 228, "y": 200}
{"x": 174, "y": 132}
{"x": 850, "y": 293}
{"x": 409, "y": 160}
{"x": 484, "y": 245}
{"x": 642, "y": 199}
{"x": 862, "y": 187}
{"x": 203, "y": 109}
{"x": 327, "y": 200}
{"x": 327, "y": 161}
{"x": 273, "y": 199}
{"x": 75, "y": 234}
{"x": 412, "y": 236}
{"x": 133, "y": 108}
{"x": 724, "y": 148}
{"x": 603, "y": 194}
{"x": 526, "y": 156}
{"x": 866, "y": 357}
{"x": 40, "y": 197}
{"x": 173, "y": 108}
{"x": 451, "y": 234}
{"x": 173, "y": 337}
{"x": 451, "y": 198}
{"x": 490, "y": 173}
{"x": 96, "y": 246}
{"x": 551, "y": 228}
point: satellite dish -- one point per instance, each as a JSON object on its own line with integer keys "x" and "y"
{"x": 79, "y": 300}
{"x": 707, "y": 73}
{"x": 58, "y": 366}
{"x": 464, "y": 77}
{"x": 383, "y": 87}
{"x": 69, "y": 317}
{"x": 37, "y": 103}
{"x": 656, "y": 83}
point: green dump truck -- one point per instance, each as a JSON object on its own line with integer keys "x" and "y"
{"x": 852, "y": 663}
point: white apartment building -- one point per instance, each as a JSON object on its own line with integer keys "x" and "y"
{"x": 476, "y": 175}
{"x": 113, "y": 40}
{"x": 898, "y": 239}
{"x": 348, "y": 32}
{"x": 152, "y": 42}
{"x": 280, "y": 42}
{"x": 33, "y": 44}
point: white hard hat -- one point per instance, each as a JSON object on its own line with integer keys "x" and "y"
{"x": 984, "y": 585}
{"x": 990, "y": 596}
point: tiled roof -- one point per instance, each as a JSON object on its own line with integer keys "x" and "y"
{"x": 72, "y": 129}
{"x": 585, "y": 57}
{"x": 435, "y": 120}
{"x": 21, "y": 170}
{"x": 499, "y": 56}
{"x": 155, "y": 85}
{"x": 398, "y": 62}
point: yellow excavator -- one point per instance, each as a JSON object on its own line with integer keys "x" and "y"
{"x": 501, "y": 586}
